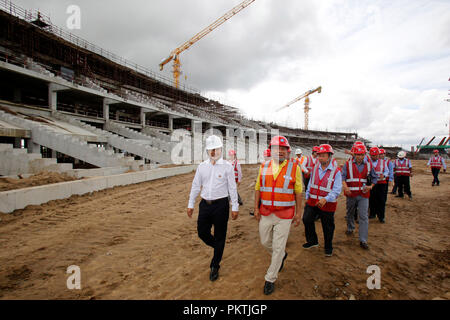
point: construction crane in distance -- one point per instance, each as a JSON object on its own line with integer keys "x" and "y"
{"x": 307, "y": 108}
{"x": 175, "y": 54}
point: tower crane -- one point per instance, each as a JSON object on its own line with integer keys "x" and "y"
{"x": 175, "y": 54}
{"x": 307, "y": 108}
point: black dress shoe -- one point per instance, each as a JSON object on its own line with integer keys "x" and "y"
{"x": 252, "y": 213}
{"x": 382, "y": 221}
{"x": 214, "y": 274}
{"x": 269, "y": 287}
{"x": 399, "y": 196}
{"x": 282, "y": 263}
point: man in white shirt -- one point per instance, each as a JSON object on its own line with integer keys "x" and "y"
{"x": 215, "y": 178}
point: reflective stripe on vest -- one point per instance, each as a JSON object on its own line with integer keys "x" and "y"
{"x": 355, "y": 183}
{"x": 329, "y": 186}
{"x": 379, "y": 169}
{"x": 281, "y": 186}
{"x": 402, "y": 169}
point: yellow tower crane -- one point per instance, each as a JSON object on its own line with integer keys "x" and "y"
{"x": 174, "y": 55}
{"x": 307, "y": 108}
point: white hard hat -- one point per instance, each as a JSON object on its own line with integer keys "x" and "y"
{"x": 298, "y": 151}
{"x": 213, "y": 142}
{"x": 401, "y": 154}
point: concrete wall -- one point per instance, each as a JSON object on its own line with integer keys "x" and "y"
{"x": 19, "y": 199}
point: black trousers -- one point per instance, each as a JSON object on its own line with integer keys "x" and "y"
{"x": 403, "y": 185}
{"x": 435, "y": 172}
{"x": 306, "y": 182}
{"x": 215, "y": 214}
{"x": 394, "y": 188}
{"x": 377, "y": 201}
{"x": 327, "y": 220}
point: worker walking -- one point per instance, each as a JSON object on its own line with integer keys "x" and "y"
{"x": 321, "y": 199}
{"x": 403, "y": 171}
{"x": 436, "y": 162}
{"x": 358, "y": 178}
{"x": 237, "y": 171}
{"x": 390, "y": 166}
{"x": 377, "y": 200}
{"x": 301, "y": 159}
{"x": 279, "y": 187}
{"x": 215, "y": 177}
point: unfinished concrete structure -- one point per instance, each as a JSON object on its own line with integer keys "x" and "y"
{"x": 67, "y": 99}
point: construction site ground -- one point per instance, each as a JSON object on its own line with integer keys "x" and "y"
{"x": 136, "y": 242}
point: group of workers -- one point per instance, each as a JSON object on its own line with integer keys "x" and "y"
{"x": 364, "y": 179}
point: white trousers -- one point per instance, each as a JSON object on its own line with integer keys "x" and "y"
{"x": 274, "y": 233}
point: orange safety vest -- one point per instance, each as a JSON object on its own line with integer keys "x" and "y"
{"x": 320, "y": 188}
{"x": 300, "y": 162}
{"x": 402, "y": 169}
{"x": 379, "y": 170}
{"x": 311, "y": 162}
{"x": 356, "y": 179}
{"x": 278, "y": 196}
{"x": 436, "y": 162}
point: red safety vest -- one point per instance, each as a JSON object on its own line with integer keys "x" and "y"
{"x": 278, "y": 196}
{"x": 320, "y": 188}
{"x": 310, "y": 163}
{"x": 402, "y": 169}
{"x": 379, "y": 170}
{"x": 236, "y": 172}
{"x": 356, "y": 179}
{"x": 436, "y": 162}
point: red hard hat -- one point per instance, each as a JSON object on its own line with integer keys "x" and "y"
{"x": 382, "y": 151}
{"x": 358, "y": 143}
{"x": 267, "y": 153}
{"x": 231, "y": 153}
{"x": 359, "y": 149}
{"x": 280, "y": 141}
{"x": 315, "y": 149}
{"x": 436, "y": 151}
{"x": 374, "y": 151}
{"x": 325, "y": 148}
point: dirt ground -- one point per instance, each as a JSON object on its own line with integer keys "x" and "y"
{"x": 136, "y": 242}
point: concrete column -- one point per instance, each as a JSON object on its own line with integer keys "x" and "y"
{"x": 54, "y": 154}
{"x": 142, "y": 118}
{"x": 53, "y": 89}
{"x": 229, "y": 140}
{"x": 197, "y": 141}
{"x": 52, "y": 99}
{"x": 105, "y": 110}
{"x": 170, "y": 122}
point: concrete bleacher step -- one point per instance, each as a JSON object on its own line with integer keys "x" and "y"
{"x": 133, "y": 147}
{"x": 6, "y": 147}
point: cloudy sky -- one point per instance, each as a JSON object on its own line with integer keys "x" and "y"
{"x": 384, "y": 66}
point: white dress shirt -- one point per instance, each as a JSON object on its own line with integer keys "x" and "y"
{"x": 215, "y": 181}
